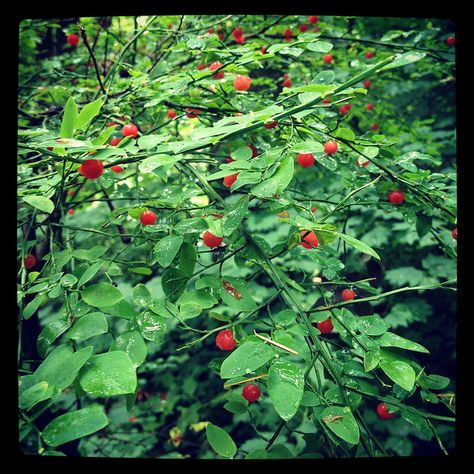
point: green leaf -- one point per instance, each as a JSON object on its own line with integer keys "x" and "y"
{"x": 246, "y": 359}
{"x": 147, "y": 142}
{"x": 108, "y": 374}
{"x": 193, "y": 225}
{"x": 141, "y": 295}
{"x": 74, "y": 425}
{"x": 49, "y": 334}
{"x": 400, "y": 372}
{"x": 220, "y": 441}
{"x": 285, "y": 318}
{"x": 167, "y": 248}
{"x": 357, "y": 244}
{"x": 153, "y": 162}
{"x": 42, "y": 203}
{"x": 389, "y": 339}
{"x": 372, "y": 325}
{"x": 242, "y": 153}
{"x": 371, "y": 360}
{"x": 404, "y": 59}
{"x": 122, "y": 309}
{"x": 308, "y": 146}
{"x": 345, "y": 427}
{"x": 423, "y": 224}
{"x": 243, "y": 303}
{"x": 234, "y": 217}
{"x": 151, "y": 326}
{"x": 285, "y": 387}
{"x": 320, "y": 46}
{"x": 87, "y": 113}
{"x": 32, "y": 306}
{"x": 235, "y": 407}
{"x": 101, "y": 294}
{"x": 174, "y": 283}
{"x": 37, "y": 393}
{"x": 132, "y": 343}
{"x": 187, "y": 259}
{"x": 69, "y": 119}
{"x": 418, "y": 422}
{"x": 89, "y": 325}
{"x": 89, "y": 273}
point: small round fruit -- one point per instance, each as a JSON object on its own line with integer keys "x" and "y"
{"x": 132, "y": 419}
{"x": 303, "y": 27}
{"x": 70, "y": 192}
{"x": 171, "y": 114}
{"x": 314, "y": 209}
{"x": 454, "y": 233}
{"x": 347, "y": 294}
{"x": 362, "y": 164}
{"x": 451, "y": 41}
{"x": 310, "y": 241}
{"x": 383, "y": 413}
{"x": 240, "y": 39}
{"x": 374, "y": 126}
{"x": 330, "y": 147}
{"x": 230, "y": 180}
{"x": 395, "y": 197}
{"x": 288, "y": 34}
{"x": 221, "y": 35}
{"x": 237, "y": 33}
{"x": 254, "y": 150}
{"x": 313, "y": 19}
{"x": 117, "y": 169}
{"x": 287, "y": 83}
{"x": 213, "y": 67}
{"x": 71, "y": 212}
{"x": 369, "y": 107}
{"x": 263, "y": 49}
{"x": 327, "y": 100}
{"x": 148, "y": 218}
{"x": 325, "y": 327}
{"x": 327, "y": 58}
{"x": 192, "y": 113}
{"x": 225, "y": 340}
{"x": 29, "y": 262}
{"x": 210, "y": 240}
{"x": 271, "y": 125}
{"x": 114, "y": 141}
{"x": 92, "y": 169}
{"x": 369, "y": 54}
{"x": 201, "y": 67}
{"x": 251, "y": 392}
{"x": 73, "y": 39}
{"x": 210, "y": 31}
{"x": 305, "y": 159}
{"x": 130, "y": 130}
{"x": 367, "y": 83}
{"x": 242, "y": 83}
{"x": 344, "y": 109}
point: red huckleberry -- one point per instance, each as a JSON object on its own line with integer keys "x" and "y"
{"x": 148, "y": 218}
{"x": 369, "y": 106}
{"x": 29, "y": 262}
{"x": 327, "y": 100}
{"x": 309, "y": 241}
{"x": 347, "y": 294}
{"x": 288, "y": 34}
{"x": 201, "y": 67}
{"x": 114, "y": 141}
{"x": 132, "y": 419}
{"x": 225, "y": 340}
{"x": 192, "y": 113}
{"x": 383, "y": 412}
{"x": 367, "y": 83}
{"x": 70, "y": 192}
{"x": 374, "y": 126}
{"x": 287, "y": 83}
{"x": 111, "y": 124}
{"x": 71, "y": 212}
{"x": 313, "y": 19}
{"x": 263, "y": 49}
{"x": 210, "y": 31}
{"x": 454, "y": 233}
{"x": 240, "y": 39}
{"x": 325, "y": 327}
{"x": 316, "y": 30}
{"x": 271, "y": 125}
{"x": 237, "y": 33}
{"x": 451, "y": 41}
{"x": 230, "y": 180}
{"x": 117, "y": 169}
{"x": 330, "y": 147}
{"x": 92, "y": 169}
{"x": 221, "y": 35}
{"x": 213, "y": 67}
{"x": 242, "y": 83}
{"x": 305, "y": 159}
{"x": 251, "y": 392}
{"x": 327, "y": 58}
{"x": 171, "y": 114}
{"x": 362, "y": 164}
{"x": 303, "y": 28}
{"x": 73, "y": 39}
{"x": 395, "y": 197}
{"x": 344, "y": 109}
{"x": 314, "y": 209}
{"x": 286, "y": 75}
{"x": 369, "y": 54}
{"x": 210, "y": 240}
{"x": 130, "y": 130}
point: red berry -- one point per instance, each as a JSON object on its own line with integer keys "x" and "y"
{"x": 395, "y": 197}
{"x": 348, "y": 295}
{"x": 229, "y": 159}
{"x": 315, "y": 30}
{"x": 451, "y": 41}
{"x": 237, "y": 33}
{"x": 314, "y": 209}
{"x": 454, "y": 233}
{"x": 218, "y": 215}
{"x": 117, "y": 169}
{"x": 310, "y": 241}
{"x": 303, "y": 28}
{"x": 171, "y": 114}
{"x": 286, "y": 75}
{"x": 70, "y": 192}
{"x": 210, "y": 31}
{"x": 313, "y": 19}
{"x": 71, "y": 211}
{"x": 242, "y": 83}
{"x": 221, "y": 35}
{"x": 213, "y": 67}
{"x": 325, "y": 327}
{"x": 327, "y": 58}
{"x": 254, "y": 151}
{"x": 288, "y": 34}
{"x": 271, "y": 125}
{"x": 383, "y": 413}
{"x": 251, "y": 392}
{"x": 344, "y": 109}
{"x": 367, "y": 83}
{"x": 374, "y": 126}
{"x": 130, "y": 130}
{"x": 114, "y": 141}
{"x": 170, "y": 25}
{"x": 287, "y": 83}
{"x": 132, "y": 419}
{"x": 369, "y": 106}
{"x": 192, "y": 113}
{"x": 369, "y": 54}
{"x": 240, "y": 39}
{"x": 230, "y": 180}
{"x": 225, "y": 340}
{"x": 362, "y": 164}
{"x": 73, "y": 39}
{"x": 305, "y": 159}
{"x": 148, "y": 218}
{"x": 263, "y": 49}
{"x": 327, "y": 100}
{"x": 92, "y": 169}
{"x": 111, "y": 124}
{"x": 210, "y": 240}
{"x": 30, "y": 261}
{"x": 201, "y": 67}
{"x": 330, "y": 147}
